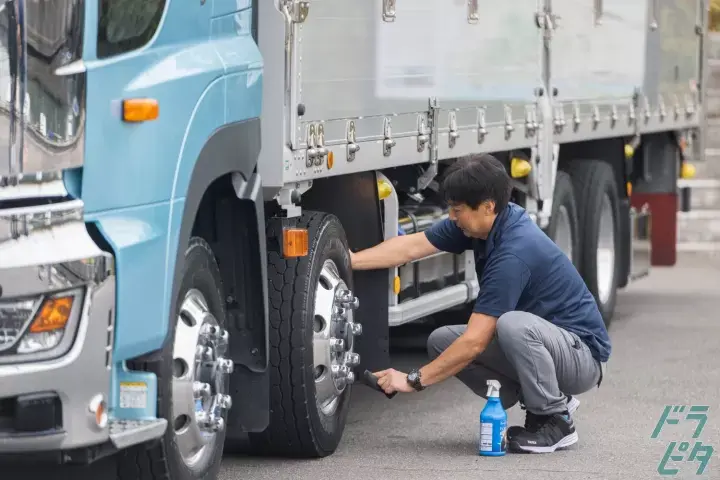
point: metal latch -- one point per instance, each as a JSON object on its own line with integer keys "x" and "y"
{"x": 473, "y": 16}
{"x": 352, "y": 147}
{"x": 509, "y": 127}
{"x": 388, "y": 142}
{"x": 423, "y": 137}
{"x": 316, "y": 146}
{"x": 482, "y": 130}
{"x": 453, "y": 133}
{"x": 531, "y": 123}
{"x": 388, "y": 13}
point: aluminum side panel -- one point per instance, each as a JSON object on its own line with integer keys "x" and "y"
{"x": 598, "y": 60}
{"x": 350, "y": 63}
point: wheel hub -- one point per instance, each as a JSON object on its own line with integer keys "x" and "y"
{"x": 605, "y": 252}
{"x": 563, "y": 232}
{"x": 334, "y": 332}
{"x": 200, "y": 378}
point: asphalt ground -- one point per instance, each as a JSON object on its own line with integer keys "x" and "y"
{"x": 666, "y": 351}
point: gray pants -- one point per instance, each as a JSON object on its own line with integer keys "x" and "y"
{"x": 535, "y": 362}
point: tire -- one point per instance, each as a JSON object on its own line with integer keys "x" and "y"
{"x": 200, "y": 279}
{"x": 597, "y": 197}
{"x": 297, "y": 426}
{"x": 564, "y": 219}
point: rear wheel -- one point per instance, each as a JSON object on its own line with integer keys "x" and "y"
{"x": 312, "y": 342}
{"x": 598, "y": 206}
{"x": 563, "y": 228}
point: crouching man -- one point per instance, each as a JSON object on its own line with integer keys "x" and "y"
{"x": 535, "y": 326}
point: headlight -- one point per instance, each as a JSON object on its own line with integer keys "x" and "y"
{"x": 35, "y": 326}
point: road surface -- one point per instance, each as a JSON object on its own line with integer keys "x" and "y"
{"x": 666, "y": 351}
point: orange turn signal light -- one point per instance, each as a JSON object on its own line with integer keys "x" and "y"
{"x": 53, "y": 315}
{"x": 140, "y": 109}
{"x": 295, "y": 242}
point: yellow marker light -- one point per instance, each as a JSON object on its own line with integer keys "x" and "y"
{"x": 384, "y": 189}
{"x": 519, "y": 168}
{"x": 396, "y": 285}
{"x": 295, "y": 242}
{"x": 53, "y": 315}
{"x": 629, "y": 151}
{"x": 628, "y": 187}
{"x": 140, "y": 109}
{"x": 687, "y": 170}
{"x": 330, "y": 160}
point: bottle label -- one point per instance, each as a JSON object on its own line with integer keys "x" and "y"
{"x": 486, "y": 437}
{"x": 492, "y": 437}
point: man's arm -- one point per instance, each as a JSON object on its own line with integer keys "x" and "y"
{"x": 462, "y": 351}
{"x": 443, "y": 236}
{"x": 502, "y": 284}
{"x": 393, "y": 252}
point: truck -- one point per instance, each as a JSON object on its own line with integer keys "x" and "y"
{"x": 181, "y": 184}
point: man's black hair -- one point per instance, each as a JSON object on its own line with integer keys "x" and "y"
{"x": 474, "y": 179}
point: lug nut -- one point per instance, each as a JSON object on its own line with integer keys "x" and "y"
{"x": 350, "y": 378}
{"x": 202, "y": 419}
{"x": 201, "y": 390}
{"x": 224, "y": 401}
{"x": 217, "y": 424}
{"x": 355, "y": 328}
{"x": 351, "y": 302}
{"x": 225, "y": 365}
{"x": 352, "y": 359}
{"x": 337, "y": 344}
{"x": 203, "y": 353}
{"x": 209, "y": 330}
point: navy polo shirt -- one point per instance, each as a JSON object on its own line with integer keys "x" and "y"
{"x": 519, "y": 268}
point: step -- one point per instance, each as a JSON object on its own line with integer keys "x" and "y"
{"x": 698, "y": 226}
{"x": 125, "y": 433}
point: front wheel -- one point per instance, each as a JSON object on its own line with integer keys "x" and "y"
{"x": 312, "y": 342}
{"x": 193, "y": 381}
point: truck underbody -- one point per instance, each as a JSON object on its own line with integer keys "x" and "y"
{"x": 363, "y": 107}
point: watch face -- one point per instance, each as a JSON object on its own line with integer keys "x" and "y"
{"x": 412, "y": 377}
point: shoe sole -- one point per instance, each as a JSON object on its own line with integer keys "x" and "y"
{"x": 565, "y": 442}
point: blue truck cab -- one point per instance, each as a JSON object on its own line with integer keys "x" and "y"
{"x": 118, "y": 118}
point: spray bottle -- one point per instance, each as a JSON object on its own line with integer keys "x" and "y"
{"x": 493, "y": 423}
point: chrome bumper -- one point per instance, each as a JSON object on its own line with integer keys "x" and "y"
{"x": 47, "y": 250}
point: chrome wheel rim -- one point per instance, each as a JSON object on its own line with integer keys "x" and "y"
{"x": 333, "y": 338}
{"x": 563, "y": 232}
{"x": 200, "y": 379}
{"x": 605, "y": 252}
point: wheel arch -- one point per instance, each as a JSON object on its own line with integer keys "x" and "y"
{"x": 224, "y": 194}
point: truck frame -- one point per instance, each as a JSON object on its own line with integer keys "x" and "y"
{"x": 181, "y": 183}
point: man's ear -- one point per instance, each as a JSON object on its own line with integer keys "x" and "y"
{"x": 488, "y": 207}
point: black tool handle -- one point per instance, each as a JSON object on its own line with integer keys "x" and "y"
{"x": 372, "y": 381}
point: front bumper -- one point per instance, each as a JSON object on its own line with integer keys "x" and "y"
{"x": 47, "y": 250}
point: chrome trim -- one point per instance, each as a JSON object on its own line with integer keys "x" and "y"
{"x": 23, "y": 221}
{"x": 42, "y": 113}
{"x": 47, "y": 260}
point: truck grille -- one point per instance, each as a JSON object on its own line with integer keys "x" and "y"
{"x": 42, "y": 100}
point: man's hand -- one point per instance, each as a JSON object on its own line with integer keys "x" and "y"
{"x": 391, "y": 380}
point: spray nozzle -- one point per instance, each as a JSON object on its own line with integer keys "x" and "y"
{"x": 493, "y": 388}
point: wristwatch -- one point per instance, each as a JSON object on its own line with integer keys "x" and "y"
{"x": 413, "y": 380}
